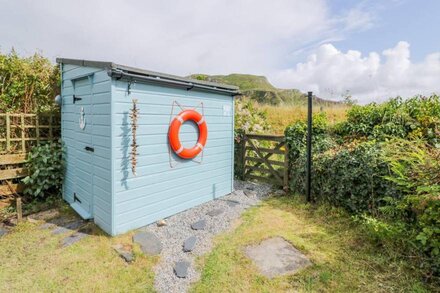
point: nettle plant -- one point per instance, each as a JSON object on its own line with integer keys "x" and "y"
{"x": 45, "y": 164}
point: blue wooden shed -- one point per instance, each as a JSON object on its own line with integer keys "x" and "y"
{"x": 96, "y": 102}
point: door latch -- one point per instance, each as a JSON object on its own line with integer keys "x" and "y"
{"x": 75, "y": 98}
{"x": 90, "y": 149}
{"x": 75, "y": 198}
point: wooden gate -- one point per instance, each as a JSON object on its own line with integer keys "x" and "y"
{"x": 265, "y": 158}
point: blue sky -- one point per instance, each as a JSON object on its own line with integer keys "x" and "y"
{"x": 416, "y": 22}
{"x": 369, "y": 49}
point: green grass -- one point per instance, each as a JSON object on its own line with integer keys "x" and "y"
{"x": 32, "y": 260}
{"x": 259, "y": 89}
{"x": 280, "y": 117}
{"x": 344, "y": 259}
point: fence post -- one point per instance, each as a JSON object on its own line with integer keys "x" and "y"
{"x": 8, "y": 132}
{"x": 50, "y": 127}
{"x": 37, "y": 127}
{"x": 309, "y": 147}
{"x": 23, "y": 140}
{"x": 286, "y": 166}
{"x": 243, "y": 156}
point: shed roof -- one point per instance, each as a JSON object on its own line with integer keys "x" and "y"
{"x": 119, "y": 71}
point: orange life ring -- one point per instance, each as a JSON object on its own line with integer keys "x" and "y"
{"x": 173, "y": 134}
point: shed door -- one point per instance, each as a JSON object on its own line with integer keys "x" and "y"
{"x": 84, "y": 149}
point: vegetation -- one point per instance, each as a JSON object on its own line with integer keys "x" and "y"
{"x": 27, "y": 85}
{"x": 45, "y": 164}
{"x": 344, "y": 257}
{"x": 381, "y": 165}
{"x": 260, "y": 90}
{"x": 34, "y": 261}
{"x": 280, "y": 117}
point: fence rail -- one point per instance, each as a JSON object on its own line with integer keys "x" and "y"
{"x": 265, "y": 158}
{"x": 19, "y": 132}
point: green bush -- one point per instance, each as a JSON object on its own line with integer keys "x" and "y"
{"x": 414, "y": 118}
{"x": 28, "y": 84}
{"x": 415, "y": 169}
{"x": 350, "y": 176}
{"x": 248, "y": 119}
{"x": 296, "y": 137}
{"x": 45, "y": 163}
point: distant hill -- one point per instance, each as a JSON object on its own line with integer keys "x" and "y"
{"x": 258, "y": 88}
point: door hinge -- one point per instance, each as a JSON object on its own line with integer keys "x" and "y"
{"x": 75, "y": 98}
{"x": 75, "y": 198}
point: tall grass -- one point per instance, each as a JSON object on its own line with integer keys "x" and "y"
{"x": 279, "y": 117}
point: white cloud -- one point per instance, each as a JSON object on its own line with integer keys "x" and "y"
{"x": 177, "y": 36}
{"x": 330, "y": 73}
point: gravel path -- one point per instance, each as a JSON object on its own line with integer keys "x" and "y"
{"x": 178, "y": 229}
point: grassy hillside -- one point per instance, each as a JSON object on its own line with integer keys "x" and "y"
{"x": 259, "y": 89}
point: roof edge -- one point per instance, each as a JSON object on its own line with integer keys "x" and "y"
{"x": 160, "y": 76}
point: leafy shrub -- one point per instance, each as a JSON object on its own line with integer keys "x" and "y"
{"x": 414, "y": 118}
{"x": 45, "y": 163}
{"x": 248, "y": 119}
{"x": 415, "y": 169}
{"x": 296, "y": 137}
{"x": 27, "y": 84}
{"x": 350, "y": 176}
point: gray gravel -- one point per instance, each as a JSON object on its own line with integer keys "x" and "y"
{"x": 178, "y": 229}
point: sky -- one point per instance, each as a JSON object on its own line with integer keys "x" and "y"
{"x": 371, "y": 50}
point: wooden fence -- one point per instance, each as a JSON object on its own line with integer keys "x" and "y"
{"x": 18, "y": 134}
{"x": 265, "y": 158}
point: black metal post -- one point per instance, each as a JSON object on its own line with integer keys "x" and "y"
{"x": 309, "y": 147}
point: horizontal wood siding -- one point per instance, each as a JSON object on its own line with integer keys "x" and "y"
{"x": 78, "y": 164}
{"x": 159, "y": 190}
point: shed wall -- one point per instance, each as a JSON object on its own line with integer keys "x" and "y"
{"x": 98, "y": 110}
{"x": 160, "y": 190}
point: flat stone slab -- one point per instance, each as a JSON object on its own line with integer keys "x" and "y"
{"x": 214, "y": 212}
{"x": 189, "y": 244}
{"x": 181, "y": 269}
{"x": 275, "y": 257}
{"x": 124, "y": 253}
{"x": 73, "y": 239}
{"x": 67, "y": 227}
{"x": 3, "y": 231}
{"x": 249, "y": 192}
{"x": 149, "y": 243}
{"x": 232, "y": 203}
{"x": 199, "y": 225}
{"x": 47, "y": 226}
{"x": 279, "y": 192}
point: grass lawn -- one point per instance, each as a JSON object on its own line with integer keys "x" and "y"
{"x": 32, "y": 260}
{"x": 344, "y": 260}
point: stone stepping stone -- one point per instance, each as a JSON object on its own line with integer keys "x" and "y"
{"x": 3, "y": 231}
{"x": 124, "y": 253}
{"x": 149, "y": 243}
{"x": 214, "y": 212}
{"x": 68, "y": 227}
{"x": 232, "y": 203}
{"x": 181, "y": 269}
{"x": 189, "y": 244}
{"x": 47, "y": 226}
{"x": 73, "y": 239}
{"x": 199, "y": 225}
{"x": 239, "y": 192}
{"x": 279, "y": 192}
{"x": 275, "y": 257}
{"x": 250, "y": 193}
